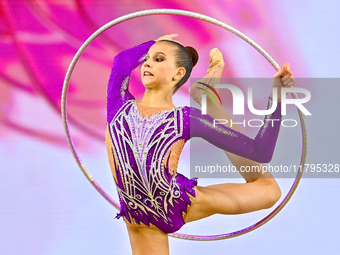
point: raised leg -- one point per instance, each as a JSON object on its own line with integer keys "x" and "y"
{"x": 260, "y": 191}
{"x": 233, "y": 198}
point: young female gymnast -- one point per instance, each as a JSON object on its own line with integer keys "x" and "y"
{"x": 144, "y": 141}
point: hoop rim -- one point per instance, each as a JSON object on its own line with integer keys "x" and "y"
{"x": 215, "y": 22}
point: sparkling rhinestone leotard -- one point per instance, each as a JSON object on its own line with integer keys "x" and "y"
{"x": 146, "y": 143}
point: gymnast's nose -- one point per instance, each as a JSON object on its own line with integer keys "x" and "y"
{"x": 147, "y": 63}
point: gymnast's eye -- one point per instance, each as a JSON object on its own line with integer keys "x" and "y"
{"x": 159, "y": 59}
{"x": 145, "y": 59}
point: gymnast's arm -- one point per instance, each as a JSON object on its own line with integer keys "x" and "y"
{"x": 259, "y": 149}
{"x": 123, "y": 65}
{"x": 219, "y": 112}
{"x": 118, "y": 90}
{"x": 118, "y": 85}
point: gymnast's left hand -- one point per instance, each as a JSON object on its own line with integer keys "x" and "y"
{"x": 283, "y": 78}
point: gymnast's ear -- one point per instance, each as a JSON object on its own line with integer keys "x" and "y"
{"x": 179, "y": 74}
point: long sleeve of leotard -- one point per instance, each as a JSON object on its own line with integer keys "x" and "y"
{"x": 118, "y": 85}
{"x": 260, "y": 149}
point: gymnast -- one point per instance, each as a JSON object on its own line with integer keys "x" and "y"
{"x": 144, "y": 140}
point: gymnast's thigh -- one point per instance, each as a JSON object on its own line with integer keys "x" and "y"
{"x": 211, "y": 200}
{"x": 233, "y": 198}
{"x": 201, "y": 207}
{"x": 147, "y": 240}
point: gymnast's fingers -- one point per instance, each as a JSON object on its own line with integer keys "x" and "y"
{"x": 286, "y": 76}
{"x": 287, "y": 65}
{"x": 288, "y": 73}
{"x": 283, "y": 70}
{"x": 280, "y": 72}
{"x": 167, "y": 37}
{"x": 173, "y": 35}
{"x": 291, "y": 83}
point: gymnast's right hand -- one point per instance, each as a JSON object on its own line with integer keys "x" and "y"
{"x": 168, "y": 37}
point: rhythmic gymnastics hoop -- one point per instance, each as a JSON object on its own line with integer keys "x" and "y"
{"x": 230, "y": 29}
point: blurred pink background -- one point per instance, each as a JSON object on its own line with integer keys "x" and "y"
{"x": 47, "y": 206}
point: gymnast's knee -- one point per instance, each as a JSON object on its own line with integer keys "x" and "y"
{"x": 273, "y": 191}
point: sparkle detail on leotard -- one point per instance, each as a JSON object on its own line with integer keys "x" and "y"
{"x": 267, "y": 117}
{"x": 137, "y": 133}
{"x": 215, "y": 127}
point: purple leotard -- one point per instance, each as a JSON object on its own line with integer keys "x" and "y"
{"x": 148, "y": 192}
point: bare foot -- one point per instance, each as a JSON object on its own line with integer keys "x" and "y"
{"x": 212, "y": 77}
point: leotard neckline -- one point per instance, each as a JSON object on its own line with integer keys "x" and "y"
{"x": 156, "y": 107}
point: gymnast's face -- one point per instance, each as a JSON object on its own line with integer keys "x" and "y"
{"x": 159, "y": 70}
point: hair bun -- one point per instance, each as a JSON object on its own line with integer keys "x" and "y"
{"x": 193, "y": 53}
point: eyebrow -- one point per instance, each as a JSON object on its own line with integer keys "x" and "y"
{"x": 159, "y": 52}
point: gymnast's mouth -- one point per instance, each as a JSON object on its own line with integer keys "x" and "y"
{"x": 147, "y": 73}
